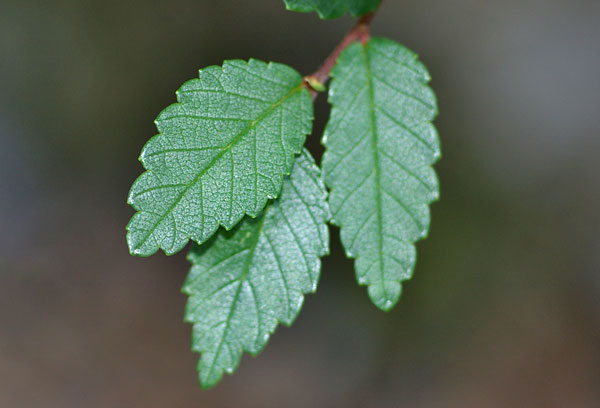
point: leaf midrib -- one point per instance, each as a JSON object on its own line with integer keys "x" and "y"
{"x": 233, "y": 142}
{"x": 377, "y": 170}
{"x": 242, "y": 278}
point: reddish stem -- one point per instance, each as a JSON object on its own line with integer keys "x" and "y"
{"x": 360, "y": 32}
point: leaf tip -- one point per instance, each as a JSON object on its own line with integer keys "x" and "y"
{"x": 385, "y": 295}
{"x": 207, "y": 384}
{"x": 135, "y": 250}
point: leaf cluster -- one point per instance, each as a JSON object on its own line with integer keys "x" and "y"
{"x": 228, "y": 171}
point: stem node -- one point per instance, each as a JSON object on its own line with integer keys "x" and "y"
{"x": 360, "y": 32}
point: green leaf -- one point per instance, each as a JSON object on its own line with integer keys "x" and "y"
{"x": 221, "y": 152}
{"x": 380, "y": 145}
{"x": 333, "y": 8}
{"x": 245, "y": 281}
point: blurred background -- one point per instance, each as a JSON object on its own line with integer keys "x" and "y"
{"x": 504, "y": 306}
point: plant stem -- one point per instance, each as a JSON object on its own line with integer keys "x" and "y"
{"x": 360, "y": 32}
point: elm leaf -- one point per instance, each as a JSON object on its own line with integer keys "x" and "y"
{"x": 327, "y": 9}
{"x": 380, "y": 146}
{"x": 222, "y": 151}
{"x": 245, "y": 281}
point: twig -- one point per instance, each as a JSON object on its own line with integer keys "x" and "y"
{"x": 360, "y": 32}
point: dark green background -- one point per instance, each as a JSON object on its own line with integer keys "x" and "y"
{"x": 504, "y": 307}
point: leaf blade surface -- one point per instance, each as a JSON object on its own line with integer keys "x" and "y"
{"x": 245, "y": 281}
{"x": 327, "y": 9}
{"x": 380, "y": 146}
{"x": 222, "y": 151}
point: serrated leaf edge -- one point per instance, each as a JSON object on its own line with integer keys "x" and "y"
{"x": 136, "y": 251}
